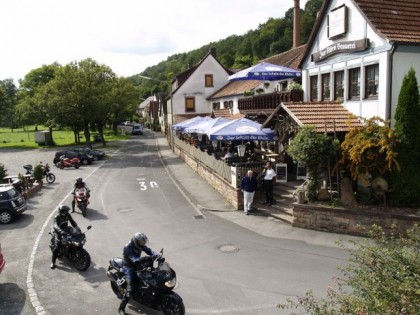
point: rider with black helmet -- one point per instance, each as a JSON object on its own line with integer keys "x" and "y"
{"x": 131, "y": 258}
{"x": 61, "y": 221}
{"x": 79, "y": 184}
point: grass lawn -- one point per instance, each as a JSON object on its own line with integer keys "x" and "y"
{"x": 25, "y": 138}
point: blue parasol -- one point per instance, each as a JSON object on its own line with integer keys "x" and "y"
{"x": 267, "y": 72}
{"x": 240, "y": 129}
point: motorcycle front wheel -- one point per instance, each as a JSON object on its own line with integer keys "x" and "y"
{"x": 50, "y": 178}
{"x": 83, "y": 209}
{"x": 81, "y": 259}
{"x": 116, "y": 290}
{"x": 76, "y": 166}
{"x": 60, "y": 165}
{"x": 172, "y": 305}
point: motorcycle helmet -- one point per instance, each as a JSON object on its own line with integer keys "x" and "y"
{"x": 63, "y": 210}
{"x": 139, "y": 240}
{"x": 79, "y": 180}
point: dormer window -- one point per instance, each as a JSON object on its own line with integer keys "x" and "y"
{"x": 208, "y": 80}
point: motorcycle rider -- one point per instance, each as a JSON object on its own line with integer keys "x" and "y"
{"x": 79, "y": 184}
{"x": 131, "y": 259}
{"x": 60, "y": 227}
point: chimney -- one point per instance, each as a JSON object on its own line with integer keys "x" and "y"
{"x": 296, "y": 24}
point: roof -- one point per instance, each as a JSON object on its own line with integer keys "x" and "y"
{"x": 146, "y": 102}
{"x": 396, "y": 20}
{"x": 290, "y": 58}
{"x": 321, "y": 114}
{"x": 225, "y": 113}
{"x": 182, "y": 117}
{"x": 235, "y": 88}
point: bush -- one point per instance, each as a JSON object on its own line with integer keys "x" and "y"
{"x": 383, "y": 277}
{"x": 38, "y": 172}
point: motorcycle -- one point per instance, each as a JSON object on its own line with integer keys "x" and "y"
{"x": 158, "y": 279}
{"x": 72, "y": 247}
{"x": 50, "y": 177}
{"x": 67, "y": 162}
{"x": 81, "y": 199}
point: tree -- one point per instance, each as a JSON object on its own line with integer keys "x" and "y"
{"x": 8, "y": 93}
{"x": 312, "y": 150}
{"x": 406, "y": 183}
{"x": 370, "y": 150}
{"x": 383, "y": 278}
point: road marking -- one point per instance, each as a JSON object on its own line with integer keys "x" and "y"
{"x": 33, "y": 296}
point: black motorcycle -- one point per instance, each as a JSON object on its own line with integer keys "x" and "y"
{"x": 72, "y": 247}
{"x": 155, "y": 286}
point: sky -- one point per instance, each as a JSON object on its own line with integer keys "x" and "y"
{"x": 126, "y": 35}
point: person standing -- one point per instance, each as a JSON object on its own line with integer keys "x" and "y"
{"x": 269, "y": 177}
{"x": 248, "y": 187}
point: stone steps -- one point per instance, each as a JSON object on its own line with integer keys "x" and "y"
{"x": 282, "y": 208}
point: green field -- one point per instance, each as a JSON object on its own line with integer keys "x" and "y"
{"x": 25, "y": 137}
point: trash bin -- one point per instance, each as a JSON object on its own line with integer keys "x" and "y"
{"x": 301, "y": 197}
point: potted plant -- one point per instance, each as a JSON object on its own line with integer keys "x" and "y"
{"x": 38, "y": 172}
{"x": 259, "y": 90}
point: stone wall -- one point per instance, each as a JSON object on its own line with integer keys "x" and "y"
{"x": 349, "y": 221}
{"x": 231, "y": 194}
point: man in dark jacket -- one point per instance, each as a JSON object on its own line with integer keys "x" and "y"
{"x": 131, "y": 259}
{"x": 248, "y": 187}
{"x": 61, "y": 223}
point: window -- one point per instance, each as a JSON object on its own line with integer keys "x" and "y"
{"x": 190, "y": 104}
{"x": 372, "y": 81}
{"x": 338, "y": 85}
{"x": 354, "y": 83}
{"x": 314, "y": 88}
{"x": 208, "y": 80}
{"x": 326, "y": 87}
{"x": 216, "y": 105}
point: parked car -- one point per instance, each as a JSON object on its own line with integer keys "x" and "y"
{"x": 97, "y": 154}
{"x": 12, "y": 203}
{"x": 2, "y": 261}
{"x": 84, "y": 158}
{"x": 137, "y": 129}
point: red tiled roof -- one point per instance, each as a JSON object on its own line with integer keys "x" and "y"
{"x": 397, "y": 20}
{"x": 321, "y": 115}
{"x": 225, "y": 113}
{"x": 290, "y": 58}
{"x": 235, "y": 88}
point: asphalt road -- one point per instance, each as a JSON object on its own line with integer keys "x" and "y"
{"x": 222, "y": 267}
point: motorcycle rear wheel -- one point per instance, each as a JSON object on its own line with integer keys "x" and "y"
{"x": 76, "y": 166}
{"x": 50, "y": 178}
{"x": 81, "y": 259}
{"x": 172, "y": 305}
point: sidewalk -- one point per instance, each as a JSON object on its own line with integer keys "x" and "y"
{"x": 203, "y": 196}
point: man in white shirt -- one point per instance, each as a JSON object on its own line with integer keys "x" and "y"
{"x": 269, "y": 178}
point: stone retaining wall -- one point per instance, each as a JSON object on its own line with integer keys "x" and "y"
{"x": 231, "y": 194}
{"x": 349, "y": 221}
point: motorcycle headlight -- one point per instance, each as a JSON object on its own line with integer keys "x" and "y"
{"x": 171, "y": 283}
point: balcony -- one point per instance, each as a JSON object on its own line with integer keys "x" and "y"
{"x": 269, "y": 101}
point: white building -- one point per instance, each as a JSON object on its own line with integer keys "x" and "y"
{"x": 359, "y": 52}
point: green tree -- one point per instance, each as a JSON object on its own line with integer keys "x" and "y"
{"x": 382, "y": 278}
{"x": 406, "y": 183}
{"x": 8, "y": 98}
{"x": 312, "y": 150}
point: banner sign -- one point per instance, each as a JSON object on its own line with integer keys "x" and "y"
{"x": 341, "y": 47}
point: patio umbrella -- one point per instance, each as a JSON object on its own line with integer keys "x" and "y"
{"x": 267, "y": 72}
{"x": 189, "y": 122}
{"x": 240, "y": 129}
{"x": 203, "y": 126}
